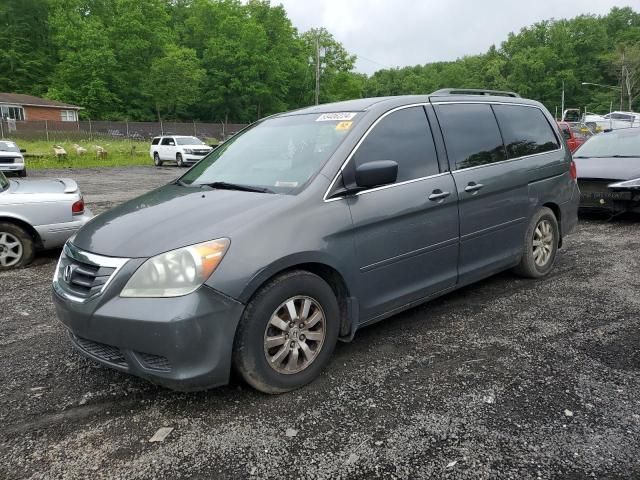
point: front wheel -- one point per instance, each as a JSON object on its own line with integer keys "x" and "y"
{"x": 16, "y": 247}
{"x": 179, "y": 160}
{"x": 540, "y": 245}
{"x": 287, "y": 333}
{"x": 22, "y": 173}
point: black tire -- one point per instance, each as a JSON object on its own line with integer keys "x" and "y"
{"x": 22, "y": 173}
{"x": 179, "y": 160}
{"x": 249, "y": 351}
{"x": 528, "y": 266}
{"x": 156, "y": 160}
{"x": 8, "y": 232}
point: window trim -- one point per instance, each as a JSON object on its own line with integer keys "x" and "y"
{"x": 363, "y": 138}
{"x": 8, "y": 106}
{"x": 554, "y": 130}
{"x": 64, "y": 115}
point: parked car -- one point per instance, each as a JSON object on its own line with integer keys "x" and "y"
{"x": 11, "y": 158}
{"x": 311, "y": 224}
{"x": 182, "y": 150}
{"x": 37, "y": 214}
{"x": 575, "y": 134}
{"x": 608, "y": 168}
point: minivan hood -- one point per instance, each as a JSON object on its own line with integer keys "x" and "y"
{"x": 608, "y": 168}
{"x": 171, "y": 217}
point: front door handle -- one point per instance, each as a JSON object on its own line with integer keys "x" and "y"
{"x": 438, "y": 195}
{"x": 473, "y": 187}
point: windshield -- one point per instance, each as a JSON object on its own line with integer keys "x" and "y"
{"x": 189, "y": 141}
{"x": 8, "y": 147}
{"x": 619, "y": 143}
{"x": 279, "y": 154}
{"x": 4, "y": 183}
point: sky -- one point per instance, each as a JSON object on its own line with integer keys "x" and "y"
{"x": 397, "y": 33}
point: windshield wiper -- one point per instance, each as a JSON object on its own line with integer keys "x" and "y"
{"x": 237, "y": 186}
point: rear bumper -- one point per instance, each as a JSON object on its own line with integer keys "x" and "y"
{"x": 182, "y": 343}
{"x": 55, "y": 234}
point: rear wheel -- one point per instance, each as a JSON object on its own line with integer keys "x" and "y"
{"x": 179, "y": 160}
{"x": 16, "y": 246}
{"x": 287, "y": 333}
{"x": 540, "y": 245}
{"x": 156, "y": 160}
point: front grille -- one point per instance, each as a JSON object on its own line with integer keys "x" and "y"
{"x": 83, "y": 279}
{"x": 7, "y": 160}
{"x": 155, "y": 362}
{"x": 81, "y": 275}
{"x": 596, "y": 193}
{"x": 100, "y": 350}
{"x": 200, "y": 152}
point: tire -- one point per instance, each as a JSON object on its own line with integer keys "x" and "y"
{"x": 290, "y": 370}
{"x": 542, "y": 236}
{"x": 16, "y": 247}
{"x": 22, "y": 173}
{"x": 156, "y": 160}
{"x": 179, "y": 160}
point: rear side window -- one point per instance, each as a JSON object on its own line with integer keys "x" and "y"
{"x": 155, "y": 141}
{"x": 471, "y": 134}
{"x": 403, "y": 136}
{"x": 525, "y": 130}
{"x": 167, "y": 141}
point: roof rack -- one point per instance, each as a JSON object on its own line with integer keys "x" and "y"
{"x": 474, "y": 91}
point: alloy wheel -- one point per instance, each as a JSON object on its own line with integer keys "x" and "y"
{"x": 294, "y": 335}
{"x": 543, "y": 243}
{"x": 10, "y": 250}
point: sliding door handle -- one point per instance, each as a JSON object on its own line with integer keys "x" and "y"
{"x": 438, "y": 195}
{"x": 473, "y": 187}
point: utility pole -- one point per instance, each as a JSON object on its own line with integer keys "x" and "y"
{"x": 622, "y": 81}
{"x": 562, "y": 103}
{"x": 317, "y": 70}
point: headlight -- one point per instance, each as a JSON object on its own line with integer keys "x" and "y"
{"x": 178, "y": 272}
{"x": 188, "y": 150}
{"x": 635, "y": 183}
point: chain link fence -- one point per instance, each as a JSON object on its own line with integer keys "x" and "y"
{"x": 57, "y": 131}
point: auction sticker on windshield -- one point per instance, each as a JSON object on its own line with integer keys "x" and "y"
{"x": 336, "y": 117}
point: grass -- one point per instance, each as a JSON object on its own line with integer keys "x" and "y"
{"x": 120, "y": 153}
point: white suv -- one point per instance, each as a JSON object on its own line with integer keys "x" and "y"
{"x": 182, "y": 150}
{"x": 11, "y": 159}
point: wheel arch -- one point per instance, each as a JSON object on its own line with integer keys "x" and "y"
{"x": 323, "y": 269}
{"x": 555, "y": 208}
{"x": 25, "y": 226}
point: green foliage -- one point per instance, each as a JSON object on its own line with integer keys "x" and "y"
{"x": 535, "y": 62}
{"x": 25, "y": 46}
{"x": 240, "y": 60}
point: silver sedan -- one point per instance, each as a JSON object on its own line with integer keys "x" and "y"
{"x": 37, "y": 214}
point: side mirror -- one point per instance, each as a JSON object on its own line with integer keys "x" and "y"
{"x": 376, "y": 174}
{"x": 23, "y": 150}
{"x": 171, "y": 144}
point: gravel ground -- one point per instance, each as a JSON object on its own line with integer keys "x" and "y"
{"x": 508, "y": 378}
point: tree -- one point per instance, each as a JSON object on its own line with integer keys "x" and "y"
{"x": 175, "y": 82}
{"x": 26, "y": 51}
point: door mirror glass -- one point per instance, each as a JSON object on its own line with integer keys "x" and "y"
{"x": 171, "y": 144}
{"x": 376, "y": 174}
{"x": 23, "y": 150}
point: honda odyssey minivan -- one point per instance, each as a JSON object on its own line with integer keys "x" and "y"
{"x": 311, "y": 224}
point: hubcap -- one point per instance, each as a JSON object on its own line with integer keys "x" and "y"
{"x": 542, "y": 243}
{"x": 294, "y": 335}
{"x": 10, "y": 250}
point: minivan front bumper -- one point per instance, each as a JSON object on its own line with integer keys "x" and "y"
{"x": 183, "y": 343}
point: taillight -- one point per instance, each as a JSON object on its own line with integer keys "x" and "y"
{"x": 78, "y": 207}
{"x": 573, "y": 171}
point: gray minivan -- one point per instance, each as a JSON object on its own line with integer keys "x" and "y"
{"x": 311, "y": 224}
